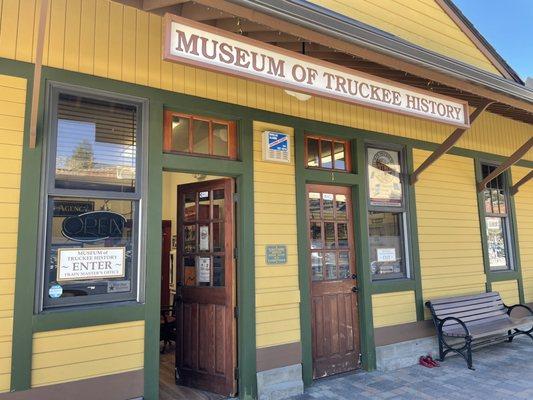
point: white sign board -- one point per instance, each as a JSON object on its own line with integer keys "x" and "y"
{"x": 90, "y": 263}
{"x": 204, "y": 238}
{"x": 211, "y": 48}
{"x": 204, "y": 269}
{"x": 386, "y": 255}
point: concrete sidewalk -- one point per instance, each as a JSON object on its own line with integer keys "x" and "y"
{"x": 503, "y": 371}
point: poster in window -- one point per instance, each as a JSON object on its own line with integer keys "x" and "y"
{"x": 90, "y": 263}
{"x": 204, "y": 238}
{"x": 204, "y": 270}
{"x": 384, "y": 185}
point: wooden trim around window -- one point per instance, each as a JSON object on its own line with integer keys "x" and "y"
{"x": 167, "y": 135}
{"x": 333, "y": 140}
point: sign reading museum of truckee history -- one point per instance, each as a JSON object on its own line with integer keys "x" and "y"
{"x": 207, "y": 47}
{"x": 90, "y": 263}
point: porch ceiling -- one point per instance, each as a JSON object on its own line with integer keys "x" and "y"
{"x": 224, "y": 20}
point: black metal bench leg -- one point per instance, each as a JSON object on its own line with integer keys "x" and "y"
{"x": 469, "y": 353}
{"x": 441, "y": 350}
{"x": 510, "y": 336}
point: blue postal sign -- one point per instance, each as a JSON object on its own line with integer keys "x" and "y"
{"x": 278, "y": 141}
{"x": 276, "y": 147}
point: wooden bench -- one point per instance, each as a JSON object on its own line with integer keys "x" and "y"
{"x": 478, "y": 320}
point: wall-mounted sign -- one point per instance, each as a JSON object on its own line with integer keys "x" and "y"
{"x": 207, "y": 47}
{"x": 93, "y": 226}
{"x": 204, "y": 270}
{"x": 68, "y": 208}
{"x": 386, "y": 254}
{"x": 90, "y": 263}
{"x": 276, "y": 147}
{"x": 276, "y": 254}
{"x": 384, "y": 184}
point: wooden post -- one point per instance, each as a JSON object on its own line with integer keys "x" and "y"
{"x": 446, "y": 145}
{"x": 37, "y": 73}
{"x": 516, "y": 156}
{"x": 525, "y": 179}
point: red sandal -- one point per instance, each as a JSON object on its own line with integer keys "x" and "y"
{"x": 424, "y": 362}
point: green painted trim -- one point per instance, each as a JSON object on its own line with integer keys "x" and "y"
{"x": 503, "y": 276}
{"x": 67, "y": 319}
{"x": 482, "y": 226}
{"x": 331, "y": 177}
{"x": 393, "y": 285}
{"x": 516, "y": 242}
{"x": 194, "y": 164}
{"x": 26, "y": 239}
{"x": 414, "y": 254}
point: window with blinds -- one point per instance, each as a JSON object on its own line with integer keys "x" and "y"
{"x": 96, "y": 144}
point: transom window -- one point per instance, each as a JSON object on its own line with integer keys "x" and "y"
{"x": 497, "y": 225}
{"x": 327, "y": 153}
{"x": 185, "y": 133}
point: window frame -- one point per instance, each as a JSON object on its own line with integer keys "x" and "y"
{"x": 49, "y": 192}
{"x": 507, "y": 226}
{"x": 403, "y": 210}
{"x": 333, "y": 140}
{"x": 167, "y": 135}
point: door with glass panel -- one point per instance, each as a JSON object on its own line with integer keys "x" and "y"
{"x": 205, "y": 347}
{"x": 335, "y": 326}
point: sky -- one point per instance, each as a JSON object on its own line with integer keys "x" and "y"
{"x": 508, "y": 27}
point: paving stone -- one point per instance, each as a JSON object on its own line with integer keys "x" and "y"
{"x": 503, "y": 371}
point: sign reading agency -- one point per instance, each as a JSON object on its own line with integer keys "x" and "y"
{"x": 90, "y": 263}
{"x": 194, "y": 43}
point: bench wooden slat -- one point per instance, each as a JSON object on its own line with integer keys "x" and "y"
{"x": 464, "y": 298}
{"x": 472, "y": 312}
{"x": 446, "y": 306}
{"x": 475, "y": 308}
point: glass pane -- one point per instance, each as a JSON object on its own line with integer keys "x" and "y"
{"x": 203, "y": 205}
{"x": 384, "y": 185}
{"x": 487, "y": 200}
{"x": 342, "y": 235}
{"x": 189, "y": 213}
{"x": 180, "y": 133}
{"x": 220, "y": 139}
{"x": 327, "y": 205}
{"x": 200, "y": 136}
{"x": 340, "y": 162}
{"x": 96, "y": 144}
{"x": 329, "y": 230}
{"x": 218, "y": 204}
{"x": 317, "y": 271}
{"x": 218, "y": 271}
{"x": 189, "y": 271}
{"x": 386, "y": 243}
{"x": 496, "y": 243}
{"x": 314, "y": 205}
{"x": 325, "y": 154}
{"x": 189, "y": 239}
{"x": 340, "y": 202}
{"x": 312, "y": 153}
{"x": 501, "y": 202}
{"x": 316, "y": 235}
{"x": 331, "y": 266}
{"x": 344, "y": 265}
{"x": 91, "y": 248}
{"x": 495, "y": 200}
{"x": 218, "y": 236}
{"x": 203, "y": 271}
{"x": 203, "y": 238}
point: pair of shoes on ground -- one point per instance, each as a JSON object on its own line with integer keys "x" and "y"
{"x": 428, "y": 362}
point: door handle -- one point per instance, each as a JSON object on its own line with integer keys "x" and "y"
{"x": 180, "y": 284}
{"x": 355, "y": 289}
{"x": 354, "y": 276}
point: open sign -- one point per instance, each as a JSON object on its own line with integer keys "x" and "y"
{"x": 94, "y": 226}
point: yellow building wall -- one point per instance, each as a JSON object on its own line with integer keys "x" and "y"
{"x": 449, "y": 236}
{"x": 508, "y": 290}
{"x": 393, "y": 308}
{"x": 421, "y": 22}
{"x": 107, "y": 39}
{"x": 524, "y": 220}
{"x": 82, "y": 353}
{"x": 12, "y": 109}
{"x": 277, "y": 289}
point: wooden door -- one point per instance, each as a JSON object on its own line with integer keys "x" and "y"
{"x": 165, "y": 262}
{"x": 335, "y": 324}
{"x": 205, "y": 350}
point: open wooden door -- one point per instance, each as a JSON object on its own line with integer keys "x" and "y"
{"x": 335, "y": 326}
{"x": 205, "y": 347}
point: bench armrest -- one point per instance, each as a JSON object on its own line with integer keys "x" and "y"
{"x": 511, "y": 308}
{"x": 444, "y": 320}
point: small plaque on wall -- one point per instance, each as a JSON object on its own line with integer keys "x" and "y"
{"x": 276, "y": 254}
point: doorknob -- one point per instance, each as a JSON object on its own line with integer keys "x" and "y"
{"x": 180, "y": 283}
{"x": 355, "y": 289}
{"x": 354, "y": 276}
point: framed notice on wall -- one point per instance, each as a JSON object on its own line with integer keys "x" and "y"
{"x": 384, "y": 184}
{"x": 90, "y": 263}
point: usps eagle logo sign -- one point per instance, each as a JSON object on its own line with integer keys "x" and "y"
{"x": 276, "y": 147}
